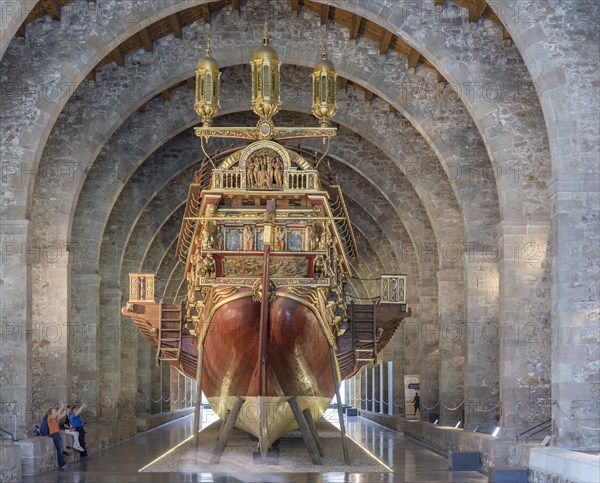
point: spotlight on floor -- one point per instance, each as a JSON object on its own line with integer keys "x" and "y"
{"x": 458, "y": 424}
{"x": 496, "y": 431}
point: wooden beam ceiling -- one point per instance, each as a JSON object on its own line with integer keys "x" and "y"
{"x": 476, "y": 10}
{"x": 118, "y": 57}
{"x": 205, "y": 13}
{"x": 355, "y": 26}
{"x": 324, "y": 14}
{"x": 413, "y": 58}
{"x": 52, "y": 8}
{"x": 175, "y": 25}
{"x": 385, "y": 41}
{"x": 146, "y": 40}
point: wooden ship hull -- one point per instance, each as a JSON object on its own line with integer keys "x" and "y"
{"x": 299, "y": 360}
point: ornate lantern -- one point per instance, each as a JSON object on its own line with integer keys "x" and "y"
{"x": 324, "y": 77}
{"x": 208, "y": 79}
{"x": 265, "y": 80}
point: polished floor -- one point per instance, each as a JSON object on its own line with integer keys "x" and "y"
{"x": 410, "y": 461}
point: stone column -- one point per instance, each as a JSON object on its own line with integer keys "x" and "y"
{"x": 452, "y": 345}
{"x": 397, "y": 375}
{"x": 376, "y": 393}
{"x": 482, "y": 372}
{"x": 83, "y": 338}
{"x": 155, "y": 391}
{"x": 109, "y": 353}
{"x": 129, "y": 365}
{"x": 368, "y": 389}
{"x": 174, "y": 389}
{"x": 383, "y": 388}
{"x": 15, "y": 329}
{"x": 525, "y": 326}
{"x": 49, "y": 313}
{"x": 575, "y": 316}
{"x": 165, "y": 369}
{"x": 430, "y": 354}
{"x": 144, "y": 376}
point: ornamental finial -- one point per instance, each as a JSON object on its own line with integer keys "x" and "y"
{"x": 208, "y": 47}
{"x": 266, "y": 34}
{"x": 324, "y": 51}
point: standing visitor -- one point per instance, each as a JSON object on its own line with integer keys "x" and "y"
{"x": 54, "y": 416}
{"x": 417, "y": 403}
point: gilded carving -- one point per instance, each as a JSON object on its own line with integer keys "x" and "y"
{"x": 253, "y": 266}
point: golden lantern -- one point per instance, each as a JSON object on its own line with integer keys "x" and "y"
{"x": 208, "y": 79}
{"x": 324, "y": 77}
{"x": 265, "y": 80}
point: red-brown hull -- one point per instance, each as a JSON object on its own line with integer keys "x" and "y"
{"x": 298, "y": 357}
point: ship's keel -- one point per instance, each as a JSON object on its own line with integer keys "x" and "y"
{"x": 268, "y": 418}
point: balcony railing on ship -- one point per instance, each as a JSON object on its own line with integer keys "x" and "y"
{"x": 297, "y": 180}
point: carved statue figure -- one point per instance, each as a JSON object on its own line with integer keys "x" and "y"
{"x": 279, "y": 244}
{"x": 208, "y": 266}
{"x": 320, "y": 268}
{"x": 250, "y": 173}
{"x": 256, "y": 171}
{"x": 270, "y": 169}
{"x": 248, "y": 238}
{"x": 279, "y": 173}
{"x": 219, "y": 238}
{"x": 210, "y": 229}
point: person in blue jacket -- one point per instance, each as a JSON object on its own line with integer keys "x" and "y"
{"x": 77, "y": 425}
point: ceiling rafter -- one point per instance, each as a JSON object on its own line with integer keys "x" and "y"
{"x": 476, "y": 10}
{"x": 52, "y": 7}
{"x": 385, "y": 41}
{"x": 413, "y": 58}
{"x": 205, "y": 9}
{"x": 175, "y": 25}
{"x": 118, "y": 56}
{"x": 325, "y": 9}
{"x": 355, "y": 26}
{"x": 146, "y": 40}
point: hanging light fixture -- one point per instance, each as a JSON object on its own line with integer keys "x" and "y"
{"x": 208, "y": 79}
{"x": 265, "y": 98}
{"x": 324, "y": 77}
{"x": 265, "y": 79}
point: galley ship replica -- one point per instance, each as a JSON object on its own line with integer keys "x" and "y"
{"x": 266, "y": 241}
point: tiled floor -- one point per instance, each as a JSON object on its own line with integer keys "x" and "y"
{"x": 410, "y": 461}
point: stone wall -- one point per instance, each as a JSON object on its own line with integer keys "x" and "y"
{"x": 10, "y": 463}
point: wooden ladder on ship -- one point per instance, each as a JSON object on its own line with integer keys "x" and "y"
{"x": 364, "y": 332}
{"x": 169, "y": 332}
